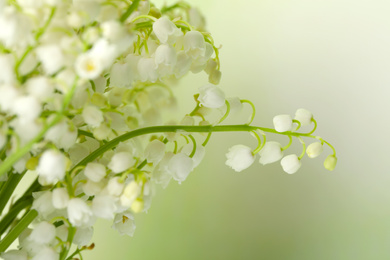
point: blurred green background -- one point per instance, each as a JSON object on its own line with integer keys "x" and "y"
{"x": 329, "y": 56}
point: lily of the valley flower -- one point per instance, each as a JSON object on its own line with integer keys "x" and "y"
{"x": 239, "y": 157}
{"x": 271, "y": 152}
{"x": 283, "y": 123}
{"x": 211, "y": 96}
{"x": 290, "y": 163}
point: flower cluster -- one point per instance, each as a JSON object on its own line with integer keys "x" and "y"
{"x": 84, "y": 95}
{"x": 241, "y": 157}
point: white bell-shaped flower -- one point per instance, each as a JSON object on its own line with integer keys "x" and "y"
{"x": 155, "y": 151}
{"x": 8, "y": 96}
{"x": 165, "y": 30}
{"x": 199, "y": 153}
{"x": 95, "y": 171}
{"x": 92, "y": 115}
{"x": 83, "y": 236}
{"x": 114, "y": 187}
{"x": 40, "y": 87}
{"x": 147, "y": 70}
{"x": 290, "y": 163}
{"x": 79, "y": 213}
{"x": 27, "y": 108}
{"x": 46, "y": 253}
{"x": 104, "y": 206}
{"x": 124, "y": 223}
{"x": 43, "y": 233}
{"x": 60, "y": 198}
{"x": 183, "y": 64}
{"x": 7, "y": 73}
{"x": 112, "y": 30}
{"x": 121, "y": 161}
{"x": 51, "y": 57}
{"x": 165, "y": 58}
{"x": 283, "y": 123}
{"x": 62, "y": 135}
{"x": 121, "y": 75}
{"x": 271, "y": 152}
{"x": 314, "y": 149}
{"x": 88, "y": 66}
{"x": 43, "y": 203}
{"x": 130, "y": 193}
{"x": 52, "y": 166}
{"x": 91, "y": 188}
{"x": 194, "y": 44}
{"x": 14, "y": 254}
{"x": 180, "y": 165}
{"x": 161, "y": 174}
{"x": 303, "y": 116}
{"x": 239, "y": 157}
{"x": 211, "y": 96}
{"x": 15, "y": 28}
{"x": 330, "y": 162}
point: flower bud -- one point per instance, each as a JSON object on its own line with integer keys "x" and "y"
{"x": 330, "y": 162}
{"x": 154, "y": 152}
{"x": 79, "y": 213}
{"x": 43, "y": 233}
{"x": 92, "y": 115}
{"x": 121, "y": 161}
{"x": 239, "y": 157}
{"x": 60, "y": 198}
{"x": 95, "y": 171}
{"x": 211, "y": 96}
{"x": 290, "y": 163}
{"x": 283, "y": 123}
{"x": 52, "y": 166}
{"x": 303, "y": 116}
{"x": 314, "y": 150}
{"x": 165, "y": 30}
{"x": 180, "y": 165}
{"x": 271, "y": 152}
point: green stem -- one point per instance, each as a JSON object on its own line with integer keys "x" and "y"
{"x": 65, "y": 251}
{"x": 177, "y": 128}
{"x": 260, "y": 145}
{"x": 129, "y": 11}
{"x": 8, "y": 189}
{"x": 226, "y": 113}
{"x": 17, "y": 230}
{"x": 193, "y": 146}
{"x": 253, "y": 110}
{"x": 303, "y": 149}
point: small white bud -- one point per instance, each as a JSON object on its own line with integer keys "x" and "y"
{"x": 79, "y": 213}
{"x": 114, "y": 187}
{"x": 330, "y": 162}
{"x": 194, "y": 44}
{"x": 92, "y": 115}
{"x": 154, "y": 152}
{"x": 83, "y": 236}
{"x": 180, "y": 165}
{"x": 95, "y": 171}
{"x": 60, "y": 198}
{"x": 52, "y": 166}
{"x": 290, "y": 163}
{"x": 165, "y": 30}
{"x": 314, "y": 149}
{"x": 283, "y": 123}
{"x": 211, "y": 96}
{"x": 271, "y": 152}
{"x": 239, "y": 157}
{"x": 46, "y": 253}
{"x": 303, "y": 116}
{"x": 43, "y": 233}
{"x": 130, "y": 193}
{"x": 104, "y": 206}
{"x": 121, "y": 161}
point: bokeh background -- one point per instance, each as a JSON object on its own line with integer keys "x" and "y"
{"x": 329, "y": 56}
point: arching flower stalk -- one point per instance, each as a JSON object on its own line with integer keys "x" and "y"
{"x": 84, "y": 88}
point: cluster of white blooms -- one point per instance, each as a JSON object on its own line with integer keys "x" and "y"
{"x": 241, "y": 157}
{"x": 84, "y": 87}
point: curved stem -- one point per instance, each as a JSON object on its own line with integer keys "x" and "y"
{"x": 226, "y": 113}
{"x": 193, "y": 146}
{"x": 253, "y": 110}
{"x": 315, "y": 126}
{"x": 259, "y": 146}
{"x": 288, "y": 145}
{"x": 303, "y": 149}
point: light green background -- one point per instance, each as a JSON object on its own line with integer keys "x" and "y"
{"x": 329, "y": 56}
